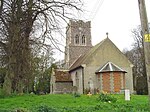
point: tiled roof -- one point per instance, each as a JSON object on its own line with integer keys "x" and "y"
{"x": 82, "y": 58}
{"x": 110, "y": 67}
{"x": 62, "y": 76}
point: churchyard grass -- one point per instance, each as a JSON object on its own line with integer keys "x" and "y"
{"x": 70, "y": 103}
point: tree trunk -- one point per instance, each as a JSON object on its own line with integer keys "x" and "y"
{"x": 7, "y": 86}
{"x": 20, "y": 87}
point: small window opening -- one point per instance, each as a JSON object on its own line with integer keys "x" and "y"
{"x": 83, "y": 40}
{"x": 77, "y": 39}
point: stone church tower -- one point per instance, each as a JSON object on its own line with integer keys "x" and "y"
{"x": 78, "y": 40}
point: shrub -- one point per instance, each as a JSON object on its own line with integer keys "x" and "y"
{"x": 76, "y": 94}
{"x": 14, "y": 110}
{"x": 3, "y": 110}
{"x": 45, "y": 108}
{"x": 2, "y": 93}
{"x": 20, "y": 110}
{"x": 77, "y": 109}
{"x": 103, "y": 97}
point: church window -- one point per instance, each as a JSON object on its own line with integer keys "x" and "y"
{"x": 77, "y": 39}
{"x": 83, "y": 40}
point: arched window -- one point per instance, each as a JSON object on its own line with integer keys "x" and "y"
{"x": 77, "y": 39}
{"x": 83, "y": 40}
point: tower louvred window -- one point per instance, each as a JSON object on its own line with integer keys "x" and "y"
{"x": 83, "y": 40}
{"x": 77, "y": 39}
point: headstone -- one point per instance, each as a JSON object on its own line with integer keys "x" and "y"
{"x": 127, "y": 95}
{"x": 91, "y": 86}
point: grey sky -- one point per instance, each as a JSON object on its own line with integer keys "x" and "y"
{"x": 117, "y": 17}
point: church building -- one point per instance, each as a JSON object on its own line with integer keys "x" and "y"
{"x": 102, "y": 67}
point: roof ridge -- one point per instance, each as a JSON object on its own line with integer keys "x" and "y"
{"x": 93, "y": 49}
{"x": 84, "y": 57}
{"x": 75, "y": 60}
{"x": 118, "y": 50}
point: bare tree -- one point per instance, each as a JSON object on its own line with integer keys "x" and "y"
{"x": 27, "y": 22}
{"x": 136, "y": 56}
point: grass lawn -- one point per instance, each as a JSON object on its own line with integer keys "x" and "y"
{"x": 69, "y": 103}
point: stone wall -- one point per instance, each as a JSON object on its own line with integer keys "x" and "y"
{"x": 63, "y": 87}
{"x": 111, "y": 81}
{"x": 73, "y": 50}
{"x": 76, "y": 51}
{"x": 77, "y": 78}
{"x": 89, "y": 72}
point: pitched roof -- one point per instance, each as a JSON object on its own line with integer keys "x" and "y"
{"x": 62, "y": 76}
{"x": 84, "y": 57}
{"x": 110, "y": 67}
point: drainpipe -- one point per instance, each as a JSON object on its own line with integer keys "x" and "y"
{"x": 83, "y": 78}
{"x": 83, "y": 66}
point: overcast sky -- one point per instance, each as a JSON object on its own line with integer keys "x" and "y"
{"x": 117, "y": 17}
